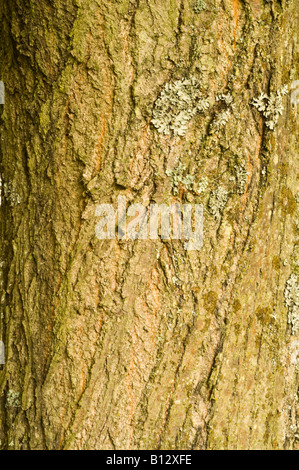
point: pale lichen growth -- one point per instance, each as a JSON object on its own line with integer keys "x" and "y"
{"x": 177, "y": 105}
{"x": 241, "y": 175}
{"x": 13, "y": 399}
{"x": 199, "y": 6}
{"x": 291, "y": 295}
{"x": 177, "y": 178}
{"x": 271, "y": 106}
{"x": 217, "y": 201}
{"x": 222, "y": 119}
{"x": 202, "y": 186}
{"x": 228, "y": 99}
{"x": 188, "y": 182}
{"x": 11, "y": 195}
{"x": 284, "y": 90}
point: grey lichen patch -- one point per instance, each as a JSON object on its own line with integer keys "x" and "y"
{"x": 11, "y": 195}
{"x": 177, "y": 178}
{"x": 271, "y": 106}
{"x": 291, "y": 295}
{"x": 188, "y": 182}
{"x": 241, "y": 175}
{"x": 217, "y": 201}
{"x": 202, "y": 186}
{"x": 177, "y": 105}
{"x": 199, "y": 6}
{"x": 222, "y": 119}
{"x": 13, "y": 399}
{"x": 227, "y": 98}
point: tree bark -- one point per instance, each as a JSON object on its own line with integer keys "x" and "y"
{"x": 122, "y": 344}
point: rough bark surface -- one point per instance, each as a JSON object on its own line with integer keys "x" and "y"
{"x": 140, "y": 344}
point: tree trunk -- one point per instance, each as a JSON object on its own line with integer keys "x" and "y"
{"x": 141, "y": 344}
